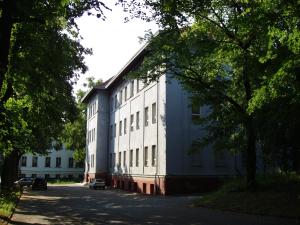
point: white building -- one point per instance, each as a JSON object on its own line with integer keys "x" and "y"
{"x": 138, "y": 137}
{"x": 57, "y": 164}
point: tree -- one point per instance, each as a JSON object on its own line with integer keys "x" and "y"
{"x": 235, "y": 56}
{"x": 74, "y": 133}
{"x": 40, "y": 58}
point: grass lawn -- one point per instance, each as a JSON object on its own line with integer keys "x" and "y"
{"x": 277, "y": 195}
{"x": 8, "y": 201}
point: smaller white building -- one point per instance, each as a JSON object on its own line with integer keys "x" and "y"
{"x": 57, "y": 164}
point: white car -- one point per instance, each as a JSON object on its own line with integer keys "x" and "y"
{"x": 97, "y": 184}
{"x": 26, "y": 181}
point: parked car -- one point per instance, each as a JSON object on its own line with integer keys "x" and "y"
{"x": 25, "y": 181}
{"x": 39, "y": 184}
{"x": 97, "y": 184}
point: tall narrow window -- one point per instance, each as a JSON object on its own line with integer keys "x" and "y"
{"x": 131, "y": 158}
{"x": 137, "y": 85}
{"x": 154, "y": 113}
{"x": 146, "y": 116}
{"x": 146, "y": 156}
{"x": 114, "y": 160}
{"x": 116, "y": 101}
{"x": 58, "y": 162}
{"x": 137, "y": 157}
{"x": 125, "y": 93}
{"x": 125, "y": 126}
{"x": 131, "y": 88}
{"x": 124, "y": 158}
{"x": 153, "y": 155}
{"x": 47, "y": 162}
{"x": 24, "y": 161}
{"x": 131, "y": 122}
{"x": 120, "y": 128}
{"x": 121, "y": 97}
{"x": 137, "y": 120}
{"x": 34, "y": 161}
{"x": 71, "y": 162}
{"x": 120, "y": 157}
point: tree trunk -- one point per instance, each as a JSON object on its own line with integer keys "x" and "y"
{"x": 250, "y": 131}
{"x": 10, "y": 169}
{"x": 251, "y": 154}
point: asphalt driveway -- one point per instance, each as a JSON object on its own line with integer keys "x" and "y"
{"x": 74, "y": 204}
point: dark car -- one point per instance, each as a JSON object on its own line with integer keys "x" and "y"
{"x": 39, "y": 184}
{"x": 97, "y": 184}
{"x": 25, "y": 181}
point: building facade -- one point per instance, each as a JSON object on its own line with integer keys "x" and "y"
{"x": 139, "y": 136}
{"x": 55, "y": 165}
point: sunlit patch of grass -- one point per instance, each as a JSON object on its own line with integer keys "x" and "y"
{"x": 276, "y": 195}
{"x": 8, "y": 202}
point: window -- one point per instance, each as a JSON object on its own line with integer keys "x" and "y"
{"x": 125, "y": 93}
{"x": 114, "y": 159}
{"x": 195, "y": 112}
{"x": 137, "y": 120}
{"x": 125, "y": 126}
{"x": 131, "y": 121}
{"x": 124, "y": 158}
{"x": 137, "y": 85}
{"x": 24, "y": 161}
{"x": 154, "y": 113}
{"x": 47, "y": 176}
{"x": 137, "y": 157}
{"x": 58, "y": 161}
{"x": 120, "y": 156}
{"x": 116, "y": 101}
{"x": 57, "y": 176}
{"x": 33, "y": 175}
{"x": 153, "y": 155}
{"x": 115, "y": 129}
{"x": 121, "y": 97}
{"x": 146, "y": 156}
{"x": 131, "y": 88}
{"x": 47, "y": 162}
{"x": 92, "y": 160}
{"x": 131, "y": 158}
{"x": 34, "y": 161}
{"x": 71, "y": 162}
{"x": 146, "y": 116}
{"x": 120, "y": 128}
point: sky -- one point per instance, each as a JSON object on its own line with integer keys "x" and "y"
{"x": 113, "y": 42}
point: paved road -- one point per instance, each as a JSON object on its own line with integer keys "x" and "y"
{"x": 75, "y": 204}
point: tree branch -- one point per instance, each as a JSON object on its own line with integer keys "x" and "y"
{"x": 209, "y": 87}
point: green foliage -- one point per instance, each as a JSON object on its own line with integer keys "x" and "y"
{"x": 41, "y": 57}
{"x": 74, "y": 133}
{"x": 8, "y": 202}
{"x": 239, "y": 57}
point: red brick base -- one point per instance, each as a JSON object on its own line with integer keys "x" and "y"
{"x": 165, "y": 185}
{"x": 146, "y": 185}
